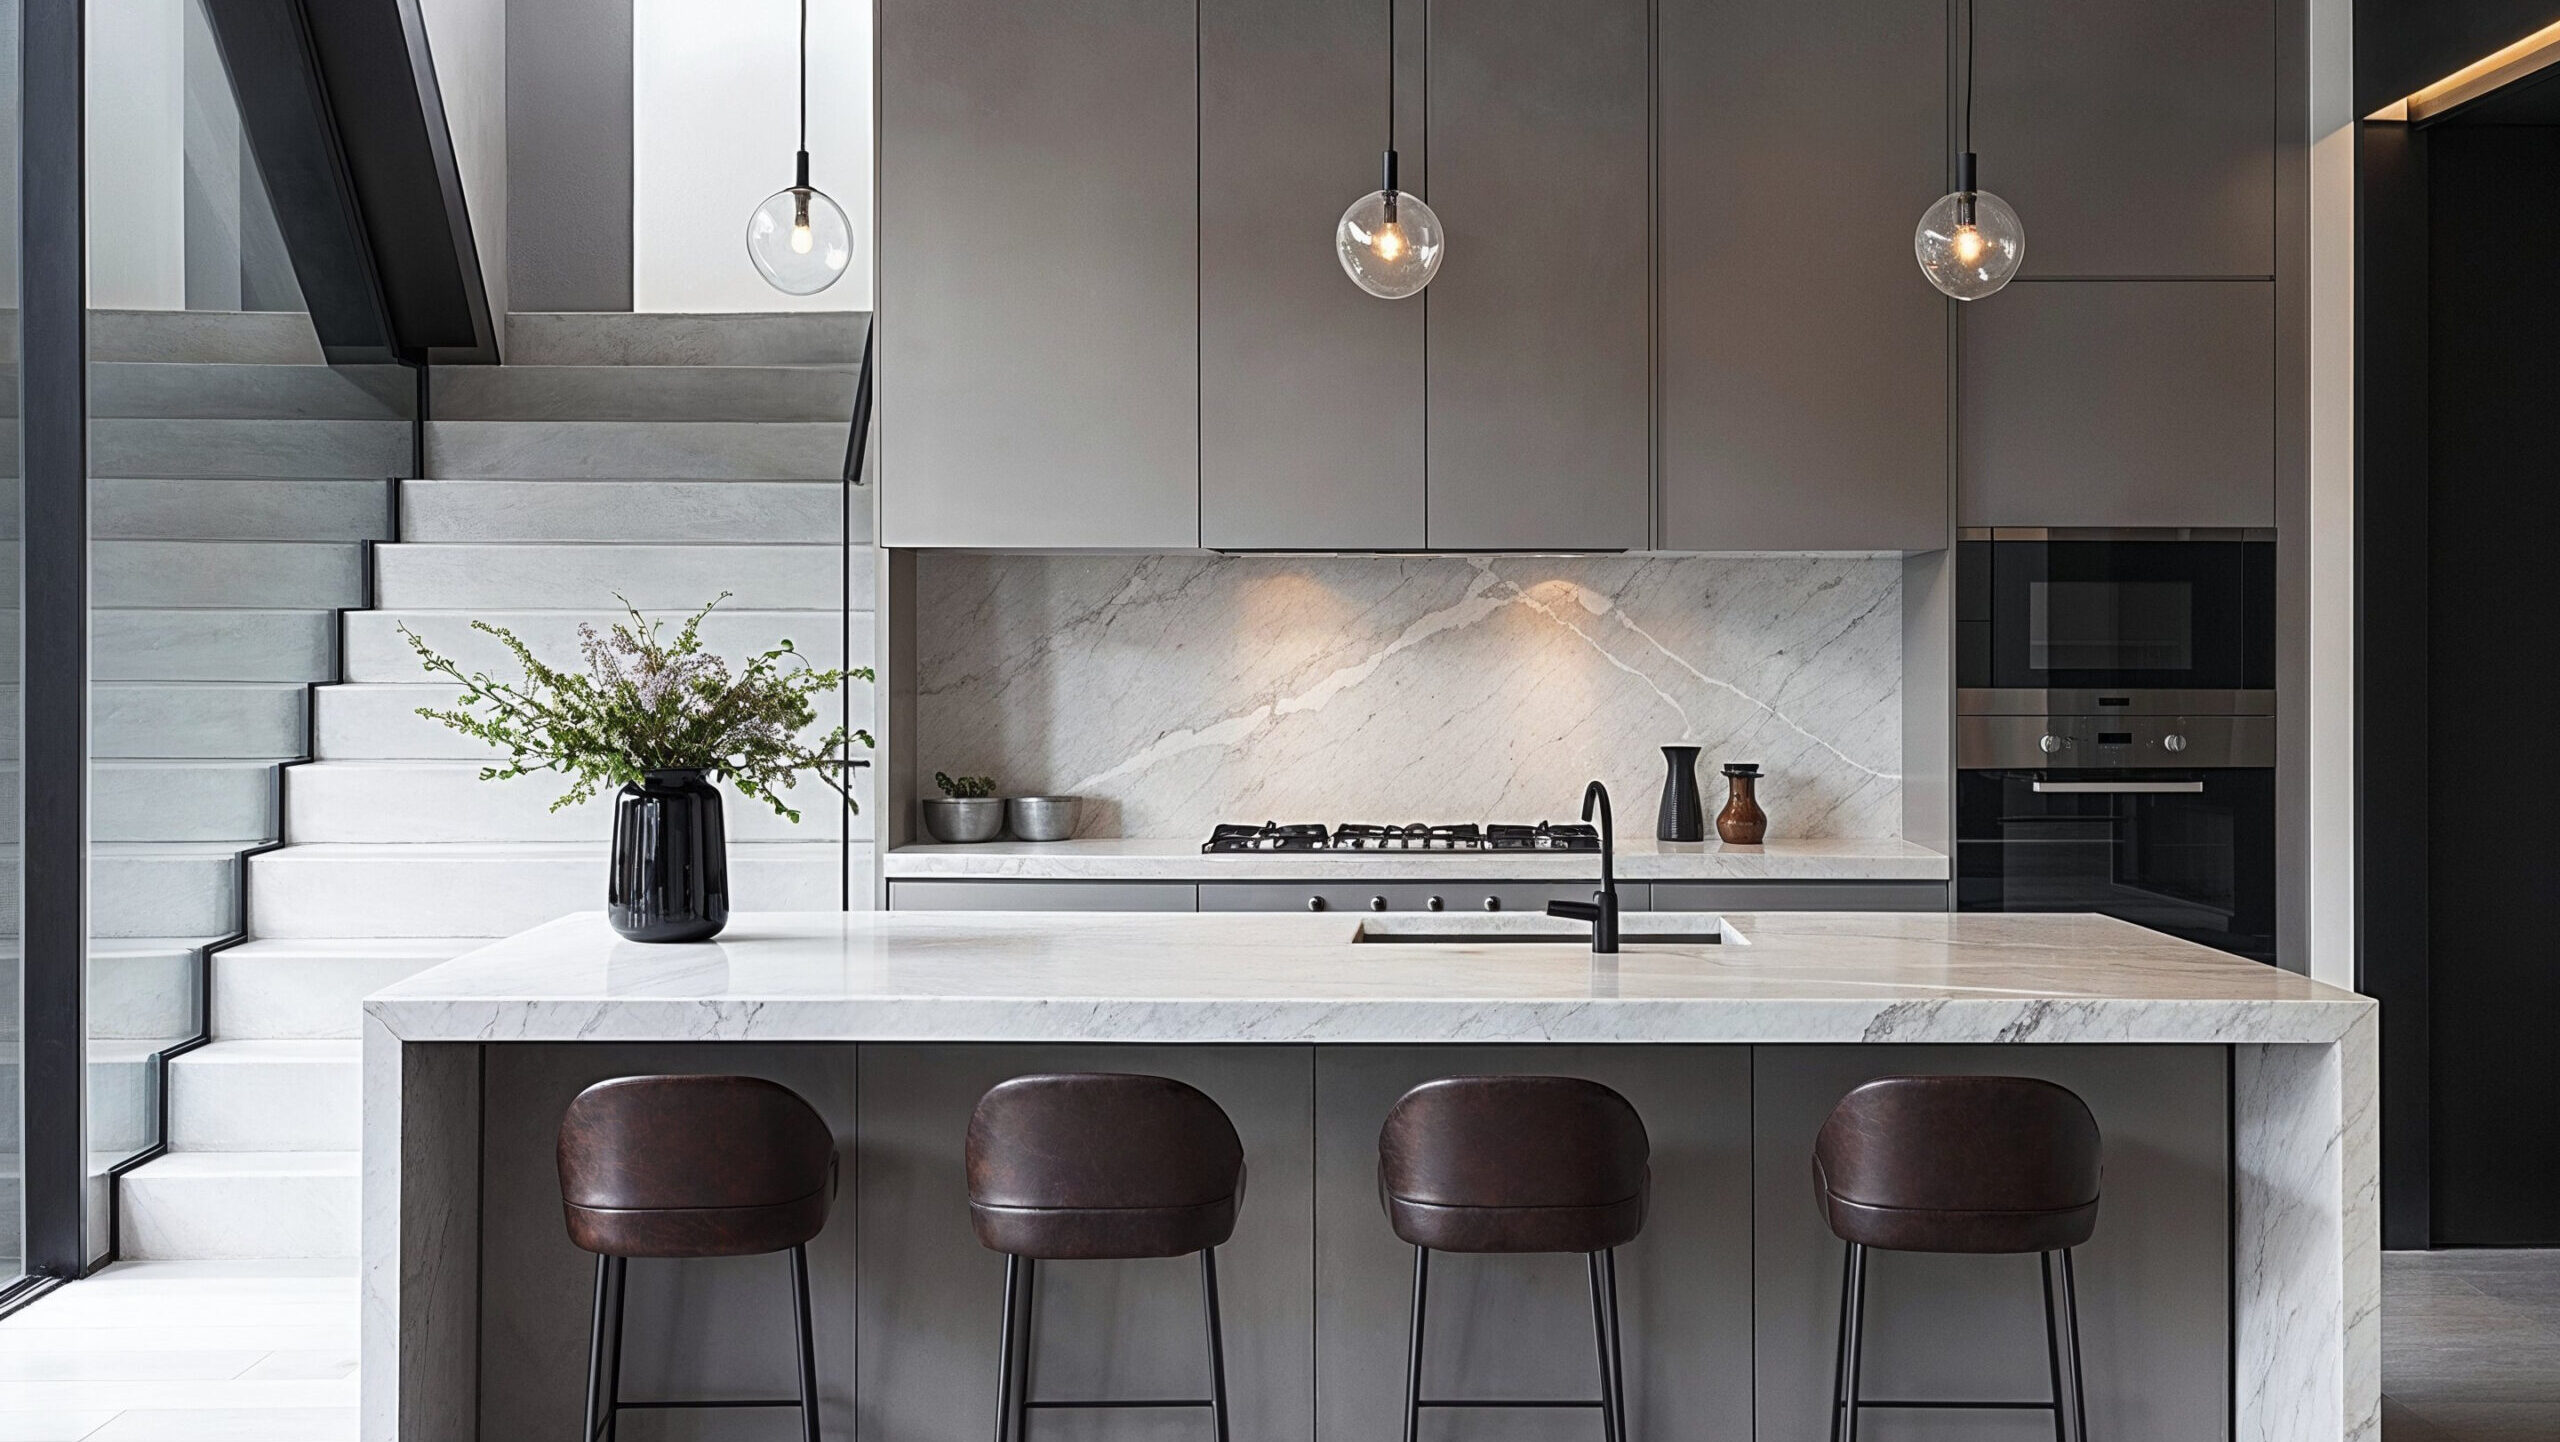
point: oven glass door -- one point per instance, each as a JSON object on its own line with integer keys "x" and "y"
{"x": 2133, "y": 615}
{"x": 2190, "y": 853}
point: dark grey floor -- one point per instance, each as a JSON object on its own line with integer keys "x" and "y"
{"x": 2471, "y": 1346}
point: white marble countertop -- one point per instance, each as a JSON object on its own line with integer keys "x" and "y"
{"x": 1180, "y": 859}
{"x": 1277, "y": 977}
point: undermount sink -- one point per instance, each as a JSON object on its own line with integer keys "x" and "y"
{"x": 1537, "y": 931}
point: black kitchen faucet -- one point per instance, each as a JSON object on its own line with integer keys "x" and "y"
{"x": 1602, "y": 909}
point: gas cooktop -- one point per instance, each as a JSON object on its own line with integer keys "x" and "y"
{"x": 1416, "y": 836}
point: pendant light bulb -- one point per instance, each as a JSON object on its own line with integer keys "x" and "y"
{"x": 1970, "y": 243}
{"x": 1390, "y": 243}
{"x": 799, "y": 238}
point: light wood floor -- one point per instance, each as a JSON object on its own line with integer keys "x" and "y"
{"x": 2471, "y": 1347}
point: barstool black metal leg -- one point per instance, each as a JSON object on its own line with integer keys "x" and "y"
{"x": 1617, "y": 1337}
{"x": 1030, "y": 1330}
{"x": 1005, "y": 1381}
{"x": 2071, "y": 1320}
{"x": 1217, "y": 1343}
{"x": 808, "y": 1345}
{"x": 613, "y": 1368}
{"x": 1857, "y": 1336}
{"x": 1413, "y": 1356}
{"x": 595, "y": 1349}
{"x": 1600, "y": 1341}
{"x": 2052, "y": 1342}
{"x": 1840, "y": 1351}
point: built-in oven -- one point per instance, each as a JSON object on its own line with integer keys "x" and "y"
{"x": 2163, "y": 820}
{"x": 2078, "y": 614}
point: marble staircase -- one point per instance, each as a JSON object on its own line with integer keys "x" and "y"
{"x": 661, "y": 458}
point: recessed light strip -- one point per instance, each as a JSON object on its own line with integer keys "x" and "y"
{"x": 2500, "y": 67}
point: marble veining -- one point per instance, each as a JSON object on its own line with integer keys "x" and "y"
{"x": 1174, "y": 692}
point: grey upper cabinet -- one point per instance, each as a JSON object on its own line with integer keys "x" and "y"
{"x": 1038, "y": 311}
{"x": 1539, "y": 407}
{"x": 1803, "y": 357}
{"x": 2135, "y": 137}
{"x": 1310, "y": 389}
{"x": 2123, "y": 403}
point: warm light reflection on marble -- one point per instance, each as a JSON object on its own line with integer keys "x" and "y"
{"x": 1177, "y": 691}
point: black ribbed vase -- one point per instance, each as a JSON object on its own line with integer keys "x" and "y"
{"x": 1684, "y": 813}
{"x": 670, "y": 878}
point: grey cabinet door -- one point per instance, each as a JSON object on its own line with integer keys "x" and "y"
{"x": 1310, "y": 388}
{"x": 1803, "y": 356}
{"x": 1038, "y": 309}
{"x": 1540, "y": 351}
{"x": 2135, "y": 137}
{"x": 2118, "y": 403}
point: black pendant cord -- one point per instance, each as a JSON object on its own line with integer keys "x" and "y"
{"x": 1391, "y": 94}
{"x": 1965, "y": 175}
{"x": 804, "y": 95}
{"x": 1968, "y": 76}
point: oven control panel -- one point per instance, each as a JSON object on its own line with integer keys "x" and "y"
{"x": 2099, "y": 743}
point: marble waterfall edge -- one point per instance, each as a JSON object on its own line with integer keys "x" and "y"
{"x": 1174, "y": 692}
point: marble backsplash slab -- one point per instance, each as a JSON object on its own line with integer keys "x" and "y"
{"x": 1177, "y": 691}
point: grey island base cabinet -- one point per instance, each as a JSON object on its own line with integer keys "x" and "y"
{"x": 2228, "y": 1293}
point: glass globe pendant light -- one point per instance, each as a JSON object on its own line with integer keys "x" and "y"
{"x": 1389, "y": 242}
{"x": 1970, "y": 242}
{"x": 798, "y": 238}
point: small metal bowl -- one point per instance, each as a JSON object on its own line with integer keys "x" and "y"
{"x": 963, "y": 818}
{"x": 1043, "y": 818}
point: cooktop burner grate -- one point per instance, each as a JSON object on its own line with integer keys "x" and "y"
{"x": 1413, "y": 836}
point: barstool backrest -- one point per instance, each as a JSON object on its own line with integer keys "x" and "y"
{"x": 1513, "y": 1141}
{"x": 1960, "y": 1144}
{"x": 738, "y": 1151}
{"x": 1068, "y": 1140}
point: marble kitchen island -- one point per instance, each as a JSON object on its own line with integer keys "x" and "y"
{"x": 2231, "y": 1289}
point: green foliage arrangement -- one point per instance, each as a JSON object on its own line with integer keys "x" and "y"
{"x": 645, "y": 703}
{"x": 965, "y": 788}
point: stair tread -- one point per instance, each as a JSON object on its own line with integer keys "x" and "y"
{"x": 398, "y": 948}
{"x": 418, "y": 850}
{"x": 262, "y": 1051}
{"x": 182, "y": 1165}
{"x": 146, "y": 945}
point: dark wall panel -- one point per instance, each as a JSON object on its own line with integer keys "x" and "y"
{"x": 2404, "y": 44}
{"x": 2494, "y": 516}
{"x": 569, "y": 155}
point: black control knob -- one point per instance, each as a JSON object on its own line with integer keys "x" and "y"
{"x": 1377, "y": 903}
{"x": 1315, "y": 903}
{"x": 1493, "y": 903}
{"x": 1435, "y": 903}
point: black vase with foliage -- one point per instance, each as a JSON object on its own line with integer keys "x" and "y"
{"x": 662, "y": 720}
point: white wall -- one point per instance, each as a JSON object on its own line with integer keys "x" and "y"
{"x": 468, "y": 40}
{"x": 137, "y": 154}
{"x": 2332, "y": 901}
{"x": 715, "y": 122}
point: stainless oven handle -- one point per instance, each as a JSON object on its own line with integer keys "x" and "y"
{"x": 2118, "y": 788}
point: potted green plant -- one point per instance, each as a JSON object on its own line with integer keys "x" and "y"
{"x": 967, "y": 810}
{"x": 661, "y": 719}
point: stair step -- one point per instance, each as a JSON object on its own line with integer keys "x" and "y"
{"x": 624, "y": 338}
{"x": 481, "y": 890}
{"x": 217, "y": 644}
{"x": 189, "y": 1206}
{"x": 314, "y": 987}
{"x": 446, "y": 801}
{"x": 374, "y": 721}
{"x": 159, "y": 888}
{"x": 233, "y": 391}
{"x": 144, "y": 987}
{"x": 188, "y": 800}
{"x": 198, "y": 337}
{"x": 637, "y": 450}
{"x": 290, "y": 575}
{"x": 517, "y": 392}
{"x": 252, "y": 448}
{"x": 592, "y": 577}
{"x": 292, "y": 508}
{"x": 664, "y": 510}
{"x": 267, "y": 1096}
{"x": 377, "y": 653}
{"x": 172, "y": 720}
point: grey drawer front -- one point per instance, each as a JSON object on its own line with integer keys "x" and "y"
{"x": 1453, "y": 896}
{"x": 1042, "y": 896}
{"x": 1800, "y": 896}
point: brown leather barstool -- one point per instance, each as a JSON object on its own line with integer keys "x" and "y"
{"x": 1094, "y": 1166}
{"x": 1517, "y": 1164}
{"x": 691, "y": 1166}
{"x": 1984, "y": 1164}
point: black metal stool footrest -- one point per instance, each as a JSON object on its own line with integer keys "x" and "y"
{"x": 1516, "y": 1402}
{"x": 1110, "y": 1402}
